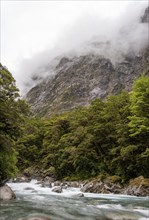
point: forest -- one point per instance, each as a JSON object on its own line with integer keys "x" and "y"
{"x": 106, "y": 138}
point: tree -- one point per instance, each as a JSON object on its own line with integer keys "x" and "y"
{"x": 139, "y": 124}
{"x": 29, "y": 144}
{"x": 11, "y": 116}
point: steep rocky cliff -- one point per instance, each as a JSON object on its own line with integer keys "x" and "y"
{"x": 79, "y": 79}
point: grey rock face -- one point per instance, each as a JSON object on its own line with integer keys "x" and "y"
{"x": 6, "y": 193}
{"x": 80, "y": 80}
{"x": 145, "y": 17}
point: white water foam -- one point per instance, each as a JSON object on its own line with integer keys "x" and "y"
{"x": 21, "y": 188}
{"x": 37, "y": 193}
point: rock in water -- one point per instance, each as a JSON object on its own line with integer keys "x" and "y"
{"x": 57, "y": 189}
{"x": 46, "y": 184}
{"x": 78, "y": 195}
{"x": 29, "y": 188}
{"x": 6, "y": 193}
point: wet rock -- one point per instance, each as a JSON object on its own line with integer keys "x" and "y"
{"x": 49, "y": 179}
{"x": 92, "y": 187}
{"x": 57, "y": 183}
{"x": 97, "y": 186}
{"x": 57, "y": 189}
{"x": 137, "y": 187}
{"x": 75, "y": 184}
{"x": 40, "y": 182}
{"x": 65, "y": 185}
{"x": 29, "y": 188}
{"x": 46, "y": 184}
{"x": 6, "y": 193}
{"x": 21, "y": 179}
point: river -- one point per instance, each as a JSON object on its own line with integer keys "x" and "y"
{"x": 69, "y": 206}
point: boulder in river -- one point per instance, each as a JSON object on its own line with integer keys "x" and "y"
{"x": 57, "y": 183}
{"x": 6, "y": 193}
{"x": 29, "y": 188}
{"x": 46, "y": 184}
{"x": 57, "y": 189}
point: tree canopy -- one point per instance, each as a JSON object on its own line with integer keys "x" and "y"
{"x": 12, "y": 111}
{"x": 108, "y": 137}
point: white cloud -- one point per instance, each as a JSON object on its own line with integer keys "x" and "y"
{"x": 33, "y": 32}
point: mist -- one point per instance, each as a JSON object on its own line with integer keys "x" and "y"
{"x": 112, "y": 37}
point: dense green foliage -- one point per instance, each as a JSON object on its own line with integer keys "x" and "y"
{"x": 12, "y": 112}
{"x": 106, "y": 138}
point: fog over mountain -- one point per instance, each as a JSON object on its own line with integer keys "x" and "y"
{"x": 98, "y": 68}
{"x": 110, "y": 36}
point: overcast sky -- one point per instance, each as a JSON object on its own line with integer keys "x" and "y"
{"x": 31, "y": 28}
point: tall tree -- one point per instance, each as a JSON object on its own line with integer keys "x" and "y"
{"x": 139, "y": 123}
{"x": 12, "y": 110}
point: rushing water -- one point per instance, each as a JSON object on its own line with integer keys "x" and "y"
{"x": 69, "y": 206}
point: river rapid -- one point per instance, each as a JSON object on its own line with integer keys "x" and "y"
{"x": 69, "y": 206}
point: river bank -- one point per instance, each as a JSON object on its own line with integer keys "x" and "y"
{"x": 32, "y": 199}
{"x": 136, "y": 187}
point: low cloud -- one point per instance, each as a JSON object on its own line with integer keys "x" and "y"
{"x": 111, "y": 37}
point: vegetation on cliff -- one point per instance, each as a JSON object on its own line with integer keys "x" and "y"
{"x": 108, "y": 137}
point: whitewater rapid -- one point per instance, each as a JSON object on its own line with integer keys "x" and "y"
{"x": 32, "y": 198}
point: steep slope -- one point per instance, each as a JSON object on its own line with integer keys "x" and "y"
{"x": 79, "y": 79}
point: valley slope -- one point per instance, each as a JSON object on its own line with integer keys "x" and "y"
{"x": 76, "y": 80}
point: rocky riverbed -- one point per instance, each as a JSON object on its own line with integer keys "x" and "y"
{"x": 136, "y": 187}
{"x": 34, "y": 201}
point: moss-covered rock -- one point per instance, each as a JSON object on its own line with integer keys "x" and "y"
{"x": 139, "y": 181}
{"x": 137, "y": 187}
{"x": 113, "y": 179}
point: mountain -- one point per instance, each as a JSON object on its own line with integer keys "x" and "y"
{"x": 78, "y": 79}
